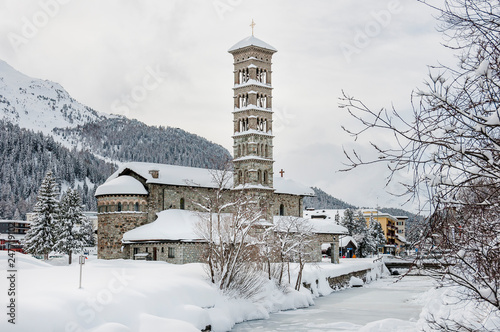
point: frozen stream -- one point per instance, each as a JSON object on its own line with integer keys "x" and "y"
{"x": 398, "y": 304}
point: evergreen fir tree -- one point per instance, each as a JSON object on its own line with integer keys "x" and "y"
{"x": 376, "y": 232}
{"x": 348, "y": 220}
{"x": 40, "y": 238}
{"x": 87, "y": 233}
{"x": 71, "y": 218}
{"x": 362, "y": 236}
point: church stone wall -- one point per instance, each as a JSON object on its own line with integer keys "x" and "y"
{"x": 110, "y": 230}
{"x": 180, "y": 252}
{"x": 292, "y": 204}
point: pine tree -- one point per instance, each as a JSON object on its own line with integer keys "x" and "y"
{"x": 348, "y": 220}
{"x": 376, "y": 232}
{"x": 40, "y": 238}
{"x": 71, "y": 218}
{"x": 362, "y": 236}
{"x": 87, "y": 233}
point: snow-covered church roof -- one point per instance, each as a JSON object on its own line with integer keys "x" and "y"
{"x": 319, "y": 226}
{"x": 181, "y": 225}
{"x": 171, "y": 225}
{"x": 122, "y": 185}
{"x": 251, "y": 41}
{"x": 192, "y": 176}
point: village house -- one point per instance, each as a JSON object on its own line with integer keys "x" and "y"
{"x": 393, "y": 227}
{"x": 149, "y": 211}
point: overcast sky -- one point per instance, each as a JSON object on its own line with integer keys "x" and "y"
{"x": 166, "y": 63}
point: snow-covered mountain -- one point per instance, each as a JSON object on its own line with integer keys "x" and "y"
{"x": 39, "y": 105}
{"x": 45, "y": 106}
{"x": 42, "y": 127}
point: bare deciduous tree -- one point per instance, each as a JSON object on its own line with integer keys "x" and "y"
{"x": 451, "y": 143}
{"x": 294, "y": 242}
{"x": 227, "y": 220}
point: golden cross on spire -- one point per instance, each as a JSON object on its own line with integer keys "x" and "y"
{"x": 252, "y": 25}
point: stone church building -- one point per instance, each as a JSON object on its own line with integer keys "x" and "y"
{"x": 148, "y": 210}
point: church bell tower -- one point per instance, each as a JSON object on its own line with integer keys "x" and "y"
{"x": 253, "y": 115}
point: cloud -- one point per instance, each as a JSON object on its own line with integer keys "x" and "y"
{"x": 99, "y": 52}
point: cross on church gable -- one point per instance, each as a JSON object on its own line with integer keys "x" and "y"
{"x": 282, "y": 172}
{"x": 252, "y": 25}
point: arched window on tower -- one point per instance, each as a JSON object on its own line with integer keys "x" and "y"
{"x": 119, "y": 207}
{"x": 238, "y": 152}
{"x": 240, "y": 177}
{"x": 282, "y": 210}
{"x": 181, "y": 204}
{"x": 260, "y": 124}
{"x": 265, "y": 151}
{"x": 136, "y": 206}
{"x": 259, "y": 176}
{"x": 265, "y": 177}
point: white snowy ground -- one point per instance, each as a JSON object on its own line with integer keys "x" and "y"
{"x": 123, "y": 295}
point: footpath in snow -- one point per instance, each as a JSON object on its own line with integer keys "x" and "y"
{"x": 124, "y": 295}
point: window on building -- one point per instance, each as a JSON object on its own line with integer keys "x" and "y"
{"x": 282, "y": 210}
{"x": 162, "y": 249}
{"x": 119, "y": 206}
{"x": 136, "y": 251}
{"x": 136, "y": 206}
{"x": 181, "y": 204}
{"x": 146, "y": 249}
{"x": 171, "y": 252}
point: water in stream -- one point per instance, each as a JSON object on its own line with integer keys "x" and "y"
{"x": 398, "y": 303}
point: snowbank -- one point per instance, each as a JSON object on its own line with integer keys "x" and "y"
{"x": 124, "y": 295}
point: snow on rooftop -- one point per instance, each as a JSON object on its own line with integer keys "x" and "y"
{"x": 180, "y": 225}
{"x": 170, "y": 174}
{"x": 251, "y": 158}
{"x": 251, "y": 41}
{"x": 252, "y": 131}
{"x": 288, "y": 186}
{"x": 252, "y": 107}
{"x": 326, "y": 213}
{"x": 123, "y": 185}
{"x": 252, "y": 81}
{"x": 344, "y": 241}
{"x": 320, "y": 226}
{"x": 192, "y": 176}
{"x": 170, "y": 225}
